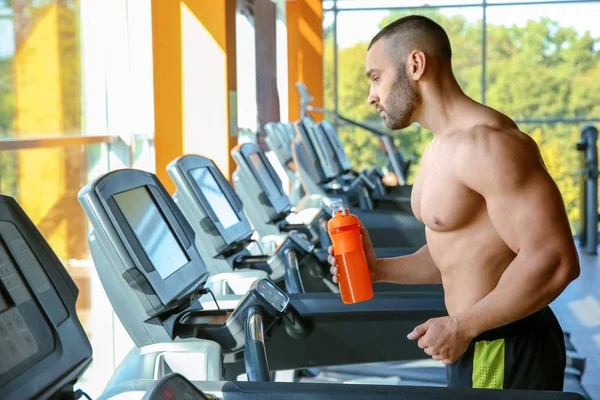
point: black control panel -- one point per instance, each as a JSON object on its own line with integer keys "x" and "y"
{"x": 273, "y": 295}
{"x": 301, "y": 241}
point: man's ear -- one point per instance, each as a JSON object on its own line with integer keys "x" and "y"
{"x": 417, "y": 63}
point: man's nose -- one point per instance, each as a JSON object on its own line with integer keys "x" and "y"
{"x": 373, "y": 98}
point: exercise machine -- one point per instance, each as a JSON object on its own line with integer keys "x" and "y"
{"x": 223, "y": 232}
{"x": 279, "y": 140}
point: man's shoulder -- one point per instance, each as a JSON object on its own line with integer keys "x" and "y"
{"x": 495, "y": 143}
{"x": 496, "y": 155}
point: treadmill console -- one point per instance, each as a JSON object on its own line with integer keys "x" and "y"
{"x": 301, "y": 241}
{"x": 209, "y": 203}
{"x": 266, "y": 184}
{"x": 262, "y": 293}
{"x": 272, "y": 295}
{"x": 278, "y": 142}
{"x": 324, "y": 154}
{"x": 41, "y": 338}
{"x": 159, "y": 251}
{"x": 175, "y": 387}
{"x": 215, "y": 197}
{"x": 144, "y": 251}
{"x": 334, "y": 141}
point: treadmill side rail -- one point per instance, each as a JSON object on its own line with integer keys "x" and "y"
{"x": 292, "y": 391}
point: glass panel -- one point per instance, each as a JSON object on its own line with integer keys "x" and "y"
{"x": 51, "y": 50}
{"x": 46, "y": 182}
{"x": 350, "y": 4}
{"x": 527, "y": 1}
{"x": 140, "y": 90}
{"x": 117, "y": 77}
{"x": 543, "y": 60}
{"x": 40, "y": 68}
{"x": 463, "y": 26}
{"x": 143, "y": 153}
{"x": 67, "y": 68}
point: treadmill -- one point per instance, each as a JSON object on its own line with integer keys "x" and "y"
{"x": 269, "y": 209}
{"x": 280, "y": 142}
{"x": 223, "y": 233}
{"x": 245, "y": 178}
{"x": 44, "y": 347}
{"x": 267, "y": 206}
{"x": 385, "y": 370}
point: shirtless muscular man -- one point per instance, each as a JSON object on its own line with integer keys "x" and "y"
{"x": 498, "y": 237}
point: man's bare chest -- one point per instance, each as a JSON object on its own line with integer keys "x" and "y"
{"x": 440, "y": 200}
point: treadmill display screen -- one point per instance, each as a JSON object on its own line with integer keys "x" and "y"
{"x": 328, "y": 153}
{"x": 273, "y": 295}
{"x": 152, "y": 231}
{"x": 265, "y": 176}
{"x": 215, "y": 197}
{"x": 335, "y": 141}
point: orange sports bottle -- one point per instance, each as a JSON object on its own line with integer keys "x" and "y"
{"x": 353, "y": 270}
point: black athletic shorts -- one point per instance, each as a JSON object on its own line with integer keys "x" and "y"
{"x": 526, "y": 354}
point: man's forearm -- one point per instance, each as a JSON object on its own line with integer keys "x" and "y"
{"x": 416, "y": 268}
{"x": 523, "y": 289}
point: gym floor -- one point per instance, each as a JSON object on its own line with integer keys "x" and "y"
{"x": 578, "y": 310}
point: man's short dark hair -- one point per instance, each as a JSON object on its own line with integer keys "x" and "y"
{"x": 417, "y": 32}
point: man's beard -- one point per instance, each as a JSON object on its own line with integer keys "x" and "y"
{"x": 401, "y": 104}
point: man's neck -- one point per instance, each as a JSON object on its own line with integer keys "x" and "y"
{"x": 440, "y": 105}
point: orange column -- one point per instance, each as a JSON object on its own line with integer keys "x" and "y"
{"x": 194, "y": 82}
{"x": 305, "y": 52}
{"x": 168, "y": 107}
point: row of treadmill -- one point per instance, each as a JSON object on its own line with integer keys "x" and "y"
{"x": 225, "y": 290}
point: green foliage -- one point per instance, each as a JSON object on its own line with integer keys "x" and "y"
{"x": 8, "y": 160}
{"x": 6, "y": 96}
{"x": 540, "y": 70}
